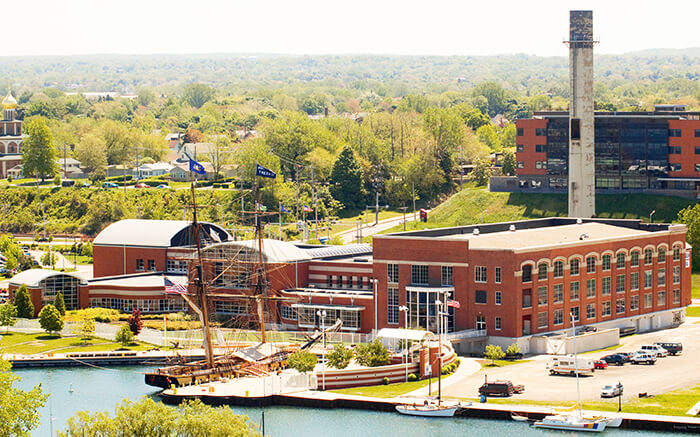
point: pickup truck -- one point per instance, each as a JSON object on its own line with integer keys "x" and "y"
{"x": 500, "y": 388}
{"x": 672, "y": 348}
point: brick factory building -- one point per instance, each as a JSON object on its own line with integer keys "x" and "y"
{"x": 639, "y": 151}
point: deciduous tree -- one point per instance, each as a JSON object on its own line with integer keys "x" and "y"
{"x": 50, "y": 319}
{"x": 346, "y": 178}
{"x": 19, "y": 409}
{"x": 197, "y": 94}
{"x": 372, "y": 354}
{"x": 482, "y": 171}
{"x": 38, "y": 150}
{"x": 508, "y": 164}
{"x": 691, "y": 217}
{"x": 8, "y": 315}
{"x": 494, "y": 352}
{"x": 340, "y": 357}
{"x": 25, "y": 307}
{"x": 124, "y": 335}
{"x": 134, "y": 321}
{"x": 302, "y": 361}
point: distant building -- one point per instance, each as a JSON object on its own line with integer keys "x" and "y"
{"x": 182, "y": 173}
{"x": 10, "y": 136}
{"x": 155, "y": 169}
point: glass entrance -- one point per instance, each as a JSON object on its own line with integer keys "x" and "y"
{"x": 422, "y": 312}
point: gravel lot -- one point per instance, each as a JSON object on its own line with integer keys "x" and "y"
{"x": 670, "y": 373}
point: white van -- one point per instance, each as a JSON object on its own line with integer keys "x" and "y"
{"x": 654, "y": 349}
{"x": 568, "y": 365}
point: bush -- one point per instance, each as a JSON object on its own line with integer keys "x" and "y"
{"x": 103, "y": 319}
{"x": 385, "y": 381}
{"x": 372, "y": 355}
{"x": 340, "y": 357}
{"x": 50, "y": 319}
{"x": 412, "y": 377}
{"x": 494, "y": 352}
{"x": 60, "y": 304}
{"x": 513, "y": 349}
{"x": 302, "y": 361}
{"x": 134, "y": 322}
{"x": 124, "y": 335}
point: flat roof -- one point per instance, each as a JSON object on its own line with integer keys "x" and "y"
{"x": 584, "y": 233}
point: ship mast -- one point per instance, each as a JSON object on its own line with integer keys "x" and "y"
{"x": 259, "y": 268}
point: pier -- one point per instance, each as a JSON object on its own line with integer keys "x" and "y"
{"x": 111, "y": 358}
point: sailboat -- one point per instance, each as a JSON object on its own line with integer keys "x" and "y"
{"x": 428, "y": 409}
{"x": 257, "y": 360}
{"x": 574, "y": 419}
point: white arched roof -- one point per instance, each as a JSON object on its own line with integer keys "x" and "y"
{"x": 150, "y": 233}
{"x": 33, "y": 277}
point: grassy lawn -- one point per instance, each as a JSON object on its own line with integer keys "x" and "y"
{"x": 386, "y": 391}
{"x": 692, "y": 311}
{"x": 19, "y": 343}
{"x": 673, "y": 403}
{"x": 695, "y": 293}
{"x": 501, "y": 363}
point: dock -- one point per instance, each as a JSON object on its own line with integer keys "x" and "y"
{"x": 111, "y": 358}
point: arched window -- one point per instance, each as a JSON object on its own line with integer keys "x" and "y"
{"x": 574, "y": 266}
{"x": 542, "y": 272}
{"x": 676, "y": 253}
{"x": 648, "y": 256}
{"x": 620, "y": 260}
{"x": 634, "y": 258}
{"x": 661, "y": 255}
{"x": 558, "y": 269}
{"x": 527, "y": 273}
{"x": 590, "y": 264}
{"x": 606, "y": 262}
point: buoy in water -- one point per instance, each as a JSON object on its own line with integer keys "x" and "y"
{"x": 70, "y": 389}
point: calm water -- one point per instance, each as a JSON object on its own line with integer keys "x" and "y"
{"x": 99, "y": 390}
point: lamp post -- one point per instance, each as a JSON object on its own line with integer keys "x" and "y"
{"x": 374, "y": 294}
{"x": 438, "y": 310}
{"x": 404, "y": 308}
{"x": 322, "y": 315}
{"x": 651, "y": 214}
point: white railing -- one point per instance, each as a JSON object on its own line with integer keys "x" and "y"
{"x": 467, "y": 333}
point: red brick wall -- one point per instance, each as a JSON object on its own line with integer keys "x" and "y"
{"x": 687, "y": 142}
{"x": 109, "y": 260}
{"x": 529, "y": 140}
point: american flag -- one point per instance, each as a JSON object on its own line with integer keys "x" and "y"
{"x": 452, "y": 303}
{"x": 173, "y": 288}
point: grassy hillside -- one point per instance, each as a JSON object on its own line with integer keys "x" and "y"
{"x": 478, "y": 205}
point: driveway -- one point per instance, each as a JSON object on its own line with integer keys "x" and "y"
{"x": 350, "y": 235}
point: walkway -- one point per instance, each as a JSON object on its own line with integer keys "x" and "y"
{"x": 468, "y": 367}
{"x": 368, "y": 229}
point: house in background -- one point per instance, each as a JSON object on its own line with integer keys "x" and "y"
{"x": 155, "y": 169}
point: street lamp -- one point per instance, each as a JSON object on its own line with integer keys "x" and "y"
{"x": 651, "y": 215}
{"x": 374, "y": 295}
{"x": 404, "y": 308}
{"x": 322, "y": 315}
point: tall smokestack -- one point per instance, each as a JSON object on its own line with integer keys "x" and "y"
{"x": 581, "y": 116}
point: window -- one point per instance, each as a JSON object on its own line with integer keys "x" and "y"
{"x": 419, "y": 274}
{"x": 677, "y": 253}
{"x": 558, "y": 317}
{"x": 575, "y": 129}
{"x": 661, "y": 298}
{"x": 519, "y": 148}
{"x": 392, "y": 273}
{"x": 697, "y": 166}
{"x": 574, "y": 290}
{"x": 176, "y": 266}
{"x": 527, "y": 273}
{"x": 634, "y": 303}
{"x": 558, "y": 269}
{"x": 620, "y": 261}
{"x": 674, "y": 150}
{"x": 480, "y": 296}
{"x": 497, "y": 321}
{"x": 392, "y": 305}
{"x": 590, "y": 288}
{"x": 697, "y": 152}
{"x": 542, "y": 319}
{"x": 634, "y": 261}
{"x": 341, "y": 281}
{"x": 606, "y": 286}
{"x": 575, "y": 313}
{"x": 446, "y": 275}
{"x": 661, "y": 256}
{"x": 648, "y": 300}
{"x": 661, "y": 275}
{"x": 541, "y": 148}
{"x": 675, "y": 167}
{"x": 590, "y": 264}
{"x": 330, "y": 281}
{"x": 573, "y": 267}
{"x": 677, "y": 296}
{"x": 620, "y": 283}
{"x": 648, "y": 279}
{"x": 519, "y": 132}
{"x": 620, "y": 306}
{"x": 634, "y": 281}
{"x": 677, "y": 274}
{"x": 480, "y": 274}
{"x": 288, "y": 312}
{"x": 558, "y": 293}
{"x": 542, "y": 272}
{"x": 521, "y": 164}
{"x": 541, "y": 131}
{"x": 648, "y": 256}
{"x": 498, "y": 298}
{"x": 540, "y": 164}
{"x": 527, "y": 298}
{"x": 590, "y": 311}
{"x": 139, "y": 265}
{"x": 674, "y": 132}
{"x": 605, "y": 309}
{"x": 606, "y": 262}
{"x": 498, "y": 275}
{"x": 697, "y": 133}
{"x": 152, "y": 265}
{"x": 542, "y": 296}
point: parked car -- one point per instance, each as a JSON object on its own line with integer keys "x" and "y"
{"x": 163, "y": 186}
{"x": 654, "y": 349}
{"x": 626, "y": 355}
{"x": 500, "y": 388}
{"x": 616, "y": 359}
{"x": 109, "y": 185}
{"x": 142, "y": 185}
{"x": 672, "y": 348}
{"x": 643, "y": 358}
{"x": 85, "y": 184}
{"x": 515, "y": 356}
{"x": 599, "y": 364}
{"x": 610, "y": 391}
{"x": 585, "y": 329}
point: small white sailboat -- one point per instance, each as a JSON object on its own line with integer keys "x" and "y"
{"x": 427, "y": 410}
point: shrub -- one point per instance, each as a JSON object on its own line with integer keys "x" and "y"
{"x": 59, "y": 303}
{"x": 50, "y": 319}
{"x": 25, "y": 307}
{"x": 513, "y": 349}
{"x": 124, "y": 335}
{"x": 134, "y": 321}
{"x": 412, "y": 377}
{"x": 372, "y": 354}
{"x": 385, "y": 381}
{"x": 340, "y": 357}
{"x": 302, "y": 361}
{"x": 494, "y": 352}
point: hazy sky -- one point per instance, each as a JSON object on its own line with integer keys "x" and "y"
{"x": 436, "y": 27}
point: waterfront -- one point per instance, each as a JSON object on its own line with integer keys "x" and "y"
{"x": 101, "y": 389}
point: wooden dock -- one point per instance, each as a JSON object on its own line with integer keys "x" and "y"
{"x": 113, "y": 358}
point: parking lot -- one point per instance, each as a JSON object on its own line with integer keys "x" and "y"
{"x": 669, "y": 373}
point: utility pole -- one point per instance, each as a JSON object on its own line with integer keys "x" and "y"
{"x": 376, "y": 209}
{"x": 65, "y": 172}
{"x": 413, "y": 190}
{"x": 404, "y": 208}
{"x": 313, "y": 195}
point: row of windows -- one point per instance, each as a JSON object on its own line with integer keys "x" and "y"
{"x": 539, "y": 148}
{"x": 419, "y": 274}
{"x": 176, "y": 266}
{"x": 679, "y": 167}
{"x": 140, "y": 265}
{"x": 481, "y": 274}
{"x": 171, "y": 304}
{"x": 677, "y": 133}
{"x": 340, "y": 281}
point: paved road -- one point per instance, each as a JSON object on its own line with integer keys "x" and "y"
{"x": 350, "y": 235}
{"x": 667, "y": 374}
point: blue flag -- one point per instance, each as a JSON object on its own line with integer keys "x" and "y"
{"x": 283, "y": 209}
{"x": 196, "y": 167}
{"x": 262, "y": 171}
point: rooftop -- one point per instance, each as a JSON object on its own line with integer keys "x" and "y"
{"x": 33, "y": 277}
{"x": 156, "y": 233}
{"x": 143, "y": 280}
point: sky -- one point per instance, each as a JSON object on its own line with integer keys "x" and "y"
{"x": 408, "y": 27}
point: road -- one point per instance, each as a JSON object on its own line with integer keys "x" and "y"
{"x": 667, "y": 374}
{"x": 350, "y": 235}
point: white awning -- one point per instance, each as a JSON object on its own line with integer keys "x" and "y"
{"x": 328, "y": 307}
{"x": 402, "y": 334}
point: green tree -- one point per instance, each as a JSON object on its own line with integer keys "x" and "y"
{"x": 124, "y": 335}
{"x": 508, "y": 164}
{"x": 487, "y": 134}
{"x": 346, "y": 178}
{"x": 302, "y": 361}
{"x": 513, "y": 349}
{"x": 50, "y": 319}
{"x": 340, "y": 357}
{"x": 8, "y": 315}
{"x": 494, "y": 352}
{"x": 25, "y": 307}
{"x": 197, "y": 94}
{"x": 38, "y": 150}
{"x": 91, "y": 151}
{"x": 85, "y": 329}
{"x": 690, "y": 216}
{"x": 147, "y": 418}
{"x": 49, "y": 259}
{"x": 482, "y": 171}
{"x": 19, "y": 409}
{"x": 372, "y": 354}
{"x": 59, "y": 303}
{"x": 495, "y": 96}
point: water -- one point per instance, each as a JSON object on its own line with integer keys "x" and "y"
{"x": 100, "y": 390}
